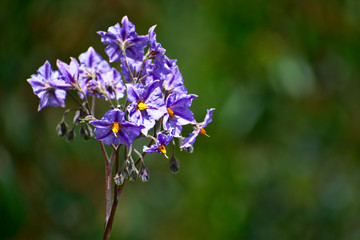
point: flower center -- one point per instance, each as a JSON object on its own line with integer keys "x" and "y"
{"x": 171, "y": 112}
{"x": 202, "y": 131}
{"x": 142, "y": 106}
{"x": 162, "y": 149}
{"x": 115, "y": 128}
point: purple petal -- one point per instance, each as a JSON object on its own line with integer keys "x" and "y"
{"x": 101, "y": 123}
{"x": 37, "y": 84}
{"x": 153, "y": 91}
{"x": 132, "y": 93}
{"x": 151, "y": 149}
{"x": 102, "y": 133}
{"x": 172, "y": 125}
{"x": 105, "y": 135}
{"x": 122, "y": 138}
{"x": 90, "y": 58}
{"x": 208, "y": 117}
{"x": 189, "y": 141}
{"x": 45, "y": 70}
{"x": 164, "y": 139}
{"x": 64, "y": 70}
{"x": 119, "y": 115}
{"x": 157, "y": 113}
{"x": 44, "y": 97}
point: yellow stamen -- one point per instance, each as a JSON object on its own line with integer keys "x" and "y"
{"x": 162, "y": 149}
{"x": 142, "y": 106}
{"x": 171, "y": 112}
{"x": 115, "y": 128}
{"x": 202, "y": 131}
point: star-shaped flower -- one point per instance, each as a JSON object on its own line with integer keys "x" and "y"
{"x": 199, "y": 129}
{"x": 113, "y": 128}
{"x": 178, "y": 113}
{"x": 49, "y": 87}
{"x": 113, "y": 85}
{"x": 169, "y": 74}
{"x": 92, "y": 64}
{"x": 123, "y": 38}
{"x": 160, "y": 146}
{"x": 147, "y": 104}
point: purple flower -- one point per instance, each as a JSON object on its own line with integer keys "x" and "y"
{"x": 113, "y": 128}
{"x": 48, "y": 86}
{"x": 70, "y": 73}
{"x": 147, "y": 104}
{"x": 112, "y": 84}
{"x": 172, "y": 80}
{"x": 178, "y": 113}
{"x": 92, "y": 64}
{"x": 123, "y": 38}
{"x": 199, "y": 129}
{"x": 162, "y": 141}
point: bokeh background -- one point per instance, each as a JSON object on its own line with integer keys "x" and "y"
{"x": 283, "y": 159}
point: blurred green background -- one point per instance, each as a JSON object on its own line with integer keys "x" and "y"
{"x": 283, "y": 160}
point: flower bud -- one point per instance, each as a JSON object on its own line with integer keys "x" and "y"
{"x": 91, "y": 132}
{"x": 84, "y": 133}
{"x": 174, "y": 164}
{"x": 133, "y": 174}
{"x": 70, "y": 135}
{"x": 189, "y": 149}
{"x": 120, "y": 177}
{"x": 131, "y": 170}
{"x": 61, "y": 129}
{"x": 144, "y": 173}
{"x": 88, "y": 118}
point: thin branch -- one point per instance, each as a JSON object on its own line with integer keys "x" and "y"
{"x": 78, "y": 102}
{"x": 116, "y": 197}
{"x": 93, "y": 105}
{"x": 103, "y": 150}
{"x": 127, "y": 65}
{"x": 108, "y": 227}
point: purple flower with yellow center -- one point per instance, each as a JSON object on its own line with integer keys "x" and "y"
{"x": 123, "y": 38}
{"x": 49, "y": 87}
{"x": 147, "y": 104}
{"x": 92, "y": 64}
{"x": 178, "y": 113}
{"x": 199, "y": 129}
{"x": 160, "y": 146}
{"x": 113, "y": 129}
{"x": 112, "y": 84}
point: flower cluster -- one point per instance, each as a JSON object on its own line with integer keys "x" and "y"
{"x": 156, "y": 104}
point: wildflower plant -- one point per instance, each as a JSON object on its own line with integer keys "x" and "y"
{"x": 155, "y": 104}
